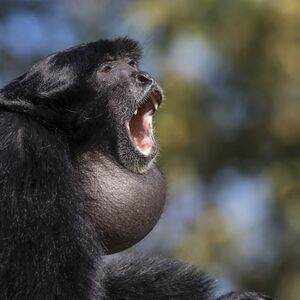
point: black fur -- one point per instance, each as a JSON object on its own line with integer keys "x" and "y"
{"x": 58, "y": 212}
{"x": 130, "y": 278}
{"x": 244, "y": 296}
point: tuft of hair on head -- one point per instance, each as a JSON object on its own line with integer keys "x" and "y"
{"x": 121, "y": 47}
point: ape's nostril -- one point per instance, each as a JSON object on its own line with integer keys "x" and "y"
{"x": 144, "y": 78}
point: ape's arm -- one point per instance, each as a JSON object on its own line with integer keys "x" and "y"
{"x": 144, "y": 277}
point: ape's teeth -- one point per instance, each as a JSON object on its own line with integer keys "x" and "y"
{"x": 136, "y": 111}
{"x": 154, "y": 102}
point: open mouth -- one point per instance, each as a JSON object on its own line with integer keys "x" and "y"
{"x": 140, "y": 124}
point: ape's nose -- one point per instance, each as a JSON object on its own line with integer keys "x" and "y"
{"x": 144, "y": 78}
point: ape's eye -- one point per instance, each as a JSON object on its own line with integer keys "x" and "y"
{"x": 105, "y": 69}
{"x": 132, "y": 63}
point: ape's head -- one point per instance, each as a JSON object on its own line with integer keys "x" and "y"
{"x": 95, "y": 97}
{"x": 96, "y": 93}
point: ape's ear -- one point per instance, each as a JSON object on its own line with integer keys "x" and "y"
{"x": 48, "y": 79}
{"x": 43, "y": 90}
{"x": 54, "y": 79}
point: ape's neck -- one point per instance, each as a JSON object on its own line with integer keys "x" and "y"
{"x": 125, "y": 206}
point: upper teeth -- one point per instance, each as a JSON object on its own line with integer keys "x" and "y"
{"x": 155, "y": 103}
{"x": 136, "y": 111}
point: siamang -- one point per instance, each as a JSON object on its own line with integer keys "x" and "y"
{"x": 78, "y": 181}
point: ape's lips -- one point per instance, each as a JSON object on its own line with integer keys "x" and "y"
{"x": 140, "y": 124}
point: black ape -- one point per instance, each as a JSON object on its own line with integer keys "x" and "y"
{"x": 78, "y": 181}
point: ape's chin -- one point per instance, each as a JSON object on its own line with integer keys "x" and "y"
{"x": 131, "y": 157}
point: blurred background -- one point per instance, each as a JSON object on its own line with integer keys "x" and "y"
{"x": 229, "y": 130}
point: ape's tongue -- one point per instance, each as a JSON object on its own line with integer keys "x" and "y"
{"x": 140, "y": 127}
